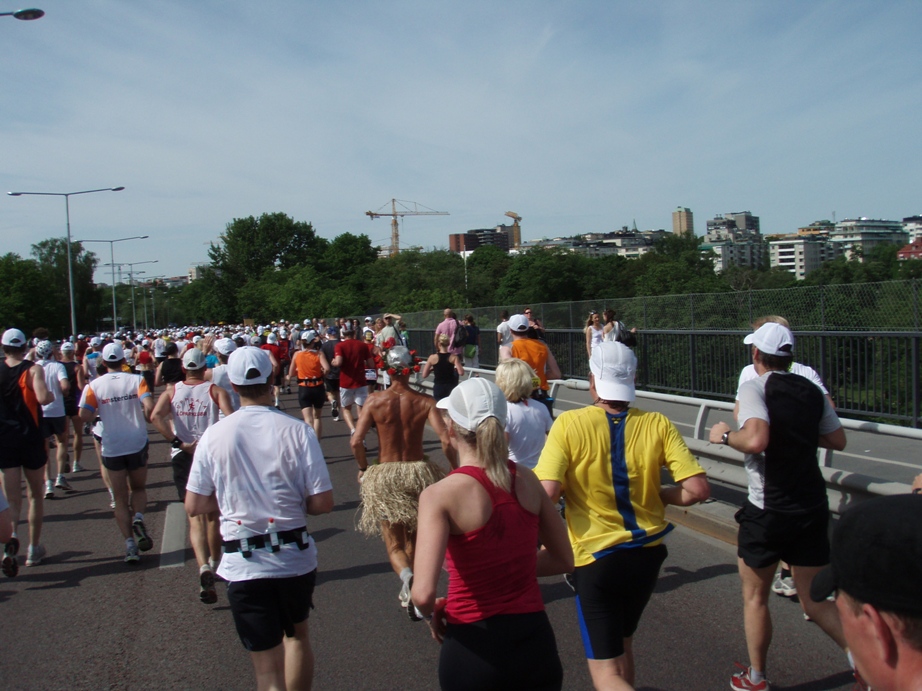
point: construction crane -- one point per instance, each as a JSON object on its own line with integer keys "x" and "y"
{"x": 395, "y": 213}
{"x": 516, "y": 228}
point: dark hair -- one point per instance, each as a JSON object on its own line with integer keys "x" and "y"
{"x": 910, "y": 628}
{"x": 776, "y": 362}
{"x": 41, "y": 333}
{"x": 470, "y": 319}
{"x": 253, "y": 391}
{"x": 171, "y": 349}
{"x": 114, "y": 366}
{"x": 609, "y": 315}
{"x": 14, "y": 350}
{"x": 504, "y": 314}
{"x": 349, "y": 333}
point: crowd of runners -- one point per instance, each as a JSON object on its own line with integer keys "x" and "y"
{"x": 524, "y": 495}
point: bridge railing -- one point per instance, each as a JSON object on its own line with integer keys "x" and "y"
{"x": 726, "y": 466}
{"x": 870, "y": 375}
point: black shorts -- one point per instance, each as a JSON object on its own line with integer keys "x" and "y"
{"x": 508, "y": 651}
{"x": 30, "y": 457}
{"x": 71, "y": 408}
{"x": 266, "y": 608}
{"x": 182, "y": 464}
{"x": 311, "y": 397}
{"x": 132, "y": 461}
{"x": 53, "y": 425}
{"x": 331, "y": 385}
{"x": 611, "y": 594}
{"x": 767, "y": 537}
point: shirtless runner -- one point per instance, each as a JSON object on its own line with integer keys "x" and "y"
{"x": 390, "y": 487}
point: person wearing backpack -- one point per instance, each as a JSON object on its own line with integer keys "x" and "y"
{"x": 616, "y": 331}
{"x": 457, "y": 334}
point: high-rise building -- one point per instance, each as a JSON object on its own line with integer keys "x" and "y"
{"x": 683, "y": 221}
{"x": 864, "y": 234}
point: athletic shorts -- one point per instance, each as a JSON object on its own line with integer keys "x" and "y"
{"x": 331, "y": 385}
{"x": 767, "y": 537}
{"x": 182, "y": 464}
{"x": 265, "y": 609}
{"x": 279, "y": 379}
{"x": 30, "y": 457}
{"x": 71, "y": 408}
{"x": 132, "y": 461}
{"x": 311, "y": 397}
{"x": 53, "y": 425}
{"x": 349, "y": 396}
{"x": 611, "y": 594}
{"x": 508, "y": 651}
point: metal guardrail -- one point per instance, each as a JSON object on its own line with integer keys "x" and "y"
{"x": 726, "y": 466}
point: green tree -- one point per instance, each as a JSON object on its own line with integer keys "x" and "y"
{"x": 486, "y": 267}
{"x": 22, "y": 283}
{"x": 51, "y": 256}
{"x": 544, "y": 275}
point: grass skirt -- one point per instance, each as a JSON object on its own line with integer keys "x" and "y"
{"x": 390, "y": 492}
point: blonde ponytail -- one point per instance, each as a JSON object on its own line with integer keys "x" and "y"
{"x": 492, "y": 450}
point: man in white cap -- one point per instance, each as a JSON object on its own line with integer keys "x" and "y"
{"x": 76, "y": 378}
{"x": 391, "y": 487}
{"x": 54, "y": 420}
{"x": 536, "y": 353}
{"x": 269, "y": 558}
{"x": 223, "y": 347}
{"x": 22, "y": 449}
{"x": 783, "y": 418}
{"x": 607, "y": 458}
{"x": 124, "y": 404}
{"x": 182, "y": 414}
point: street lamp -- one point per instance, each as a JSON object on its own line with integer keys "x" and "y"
{"x": 131, "y": 273}
{"x": 25, "y": 15}
{"x": 112, "y": 259}
{"x": 67, "y": 196}
{"x": 152, "y": 281}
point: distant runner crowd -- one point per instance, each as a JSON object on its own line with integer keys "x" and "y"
{"x": 523, "y": 495}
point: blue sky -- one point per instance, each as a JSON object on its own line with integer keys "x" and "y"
{"x": 579, "y": 116}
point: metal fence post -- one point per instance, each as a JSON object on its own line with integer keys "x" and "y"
{"x": 915, "y": 380}
{"x": 693, "y": 370}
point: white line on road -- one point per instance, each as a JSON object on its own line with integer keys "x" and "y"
{"x": 173, "y": 545}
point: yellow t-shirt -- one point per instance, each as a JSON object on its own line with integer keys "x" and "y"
{"x": 612, "y": 489}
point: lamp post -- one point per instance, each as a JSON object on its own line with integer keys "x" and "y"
{"x": 67, "y": 196}
{"x": 131, "y": 273}
{"x": 25, "y": 15}
{"x": 112, "y": 264}
{"x": 152, "y": 280}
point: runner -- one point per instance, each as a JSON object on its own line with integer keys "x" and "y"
{"x": 54, "y": 421}
{"x": 270, "y": 560}
{"x": 308, "y": 368}
{"x": 76, "y": 377}
{"x": 182, "y": 414}
{"x": 272, "y": 346}
{"x": 22, "y": 392}
{"x": 123, "y": 403}
{"x": 391, "y": 487}
{"x": 331, "y": 378}
{"x": 353, "y": 358}
{"x": 223, "y": 347}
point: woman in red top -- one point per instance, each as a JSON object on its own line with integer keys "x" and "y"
{"x": 489, "y": 515}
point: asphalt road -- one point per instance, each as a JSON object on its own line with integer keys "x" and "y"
{"x": 85, "y": 620}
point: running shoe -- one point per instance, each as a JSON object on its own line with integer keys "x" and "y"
{"x": 62, "y": 483}
{"x": 208, "y": 595}
{"x": 49, "y": 489}
{"x": 413, "y": 613}
{"x": 77, "y": 467}
{"x": 140, "y": 530}
{"x": 335, "y": 414}
{"x": 404, "y": 596}
{"x": 570, "y": 581}
{"x": 132, "y": 556}
{"x": 742, "y": 682}
{"x": 87, "y": 430}
{"x": 9, "y": 565}
{"x": 784, "y": 586}
{"x": 35, "y": 555}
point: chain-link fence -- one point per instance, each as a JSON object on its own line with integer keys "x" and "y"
{"x": 885, "y": 306}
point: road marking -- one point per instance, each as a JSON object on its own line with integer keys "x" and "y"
{"x": 173, "y": 545}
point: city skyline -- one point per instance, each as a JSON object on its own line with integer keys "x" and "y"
{"x": 578, "y": 117}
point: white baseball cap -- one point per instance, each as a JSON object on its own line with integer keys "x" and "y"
{"x": 225, "y": 346}
{"x": 473, "y": 401}
{"x": 249, "y": 365}
{"x": 113, "y": 353}
{"x": 518, "y": 322}
{"x": 14, "y": 338}
{"x": 193, "y": 359}
{"x": 272, "y": 338}
{"x": 96, "y": 341}
{"x": 309, "y": 336}
{"x": 772, "y": 339}
{"x": 67, "y": 347}
{"x": 613, "y": 366}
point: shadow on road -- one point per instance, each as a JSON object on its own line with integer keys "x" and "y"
{"x": 353, "y": 572}
{"x": 834, "y": 681}
{"x": 673, "y": 577}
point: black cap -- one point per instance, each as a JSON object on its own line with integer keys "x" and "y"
{"x": 877, "y": 555}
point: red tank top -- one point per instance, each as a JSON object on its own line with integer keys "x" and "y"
{"x": 492, "y": 569}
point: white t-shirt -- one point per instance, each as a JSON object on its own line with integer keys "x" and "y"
{"x": 505, "y": 333}
{"x": 749, "y": 372}
{"x": 220, "y": 377}
{"x": 527, "y": 423}
{"x": 262, "y": 465}
{"x": 54, "y": 375}
{"x": 116, "y": 398}
{"x": 598, "y": 335}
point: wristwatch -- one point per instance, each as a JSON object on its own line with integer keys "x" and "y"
{"x": 725, "y": 439}
{"x": 176, "y": 443}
